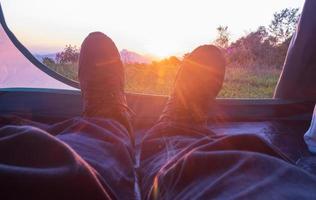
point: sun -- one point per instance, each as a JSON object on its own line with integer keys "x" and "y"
{"x": 161, "y": 49}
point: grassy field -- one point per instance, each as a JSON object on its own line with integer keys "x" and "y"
{"x": 255, "y": 82}
{"x": 239, "y": 82}
{"x": 249, "y": 83}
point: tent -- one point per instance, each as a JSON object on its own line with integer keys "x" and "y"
{"x": 31, "y": 90}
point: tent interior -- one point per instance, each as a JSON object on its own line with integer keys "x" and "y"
{"x": 32, "y": 91}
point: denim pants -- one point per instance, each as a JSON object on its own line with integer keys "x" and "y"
{"x": 94, "y": 158}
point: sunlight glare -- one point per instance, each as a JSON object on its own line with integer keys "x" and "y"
{"x": 158, "y": 28}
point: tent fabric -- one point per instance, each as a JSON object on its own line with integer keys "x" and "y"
{"x": 298, "y": 79}
{"x": 310, "y": 135}
{"x": 85, "y": 158}
{"x": 19, "y": 68}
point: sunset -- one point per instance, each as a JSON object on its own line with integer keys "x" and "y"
{"x": 153, "y": 37}
{"x": 157, "y": 100}
{"x": 156, "y": 28}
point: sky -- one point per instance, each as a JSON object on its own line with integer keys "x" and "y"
{"x": 158, "y": 28}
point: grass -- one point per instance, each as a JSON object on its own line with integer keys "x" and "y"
{"x": 257, "y": 82}
{"x": 240, "y": 82}
{"x": 150, "y": 79}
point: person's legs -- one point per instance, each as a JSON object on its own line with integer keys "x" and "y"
{"x": 183, "y": 121}
{"x": 161, "y": 146}
{"x": 35, "y": 165}
{"x": 182, "y": 159}
{"x": 298, "y": 78}
{"x": 92, "y": 156}
{"x": 103, "y": 136}
{"x": 106, "y": 146}
{"x": 180, "y": 162}
{"x": 236, "y": 167}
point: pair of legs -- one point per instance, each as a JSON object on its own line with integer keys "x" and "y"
{"x": 101, "y": 76}
{"x": 179, "y": 158}
{"x": 94, "y": 156}
{"x": 179, "y": 155}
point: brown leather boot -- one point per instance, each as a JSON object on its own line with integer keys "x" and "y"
{"x": 198, "y": 82}
{"x": 101, "y": 77}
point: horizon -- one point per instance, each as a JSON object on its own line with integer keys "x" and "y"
{"x": 150, "y": 28}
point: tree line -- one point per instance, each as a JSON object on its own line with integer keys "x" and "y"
{"x": 264, "y": 47}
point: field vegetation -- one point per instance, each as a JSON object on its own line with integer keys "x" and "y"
{"x": 254, "y": 62}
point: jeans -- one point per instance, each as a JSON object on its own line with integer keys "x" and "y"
{"x": 94, "y": 158}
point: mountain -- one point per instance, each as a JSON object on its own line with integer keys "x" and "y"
{"x": 41, "y": 56}
{"x": 126, "y": 56}
{"x": 132, "y": 57}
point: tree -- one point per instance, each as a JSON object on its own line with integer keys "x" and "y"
{"x": 264, "y": 47}
{"x": 223, "y": 37}
{"x": 173, "y": 60}
{"x": 283, "y": 24}
{"x": 48, "y": 61}
{"x": 70, "y": 55}
{"x": 254, "y": 48}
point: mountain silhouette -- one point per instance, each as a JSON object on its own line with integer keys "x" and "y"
{"x": 128, "y": 57}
